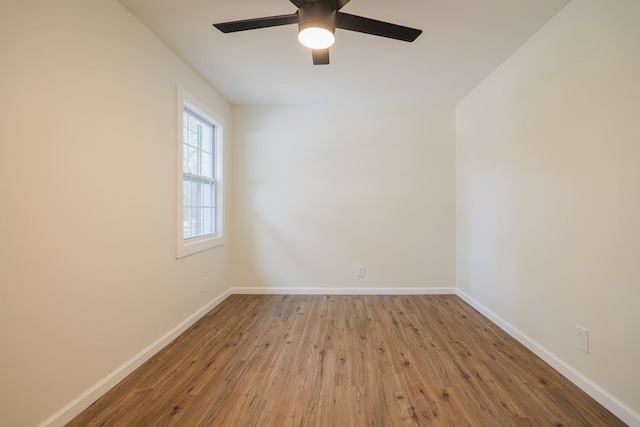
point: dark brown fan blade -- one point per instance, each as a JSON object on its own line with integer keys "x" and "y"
{"x": 320, "y": 56}
{"x": 255, "y": 23}
{"x": 376, "y": 28}
{"x": 299, "y": 3}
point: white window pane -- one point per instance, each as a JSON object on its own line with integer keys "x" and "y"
{"x": 207, "y": 138}
{"x": 185, "y": 158}
{"x": 201, "y": 229}
{"x": 194, "y": 223}
{"x": 193, "y": 124}
{"x": 207, "y": 165}
{"x": 192, "y": 139}
{"x": 195, "y": 194}
{"x": 186, "y": 192}
{"x": 186, "y": 223}
{"x": 208, "y": 196}
{"x": 192, "y": 161}
{"x": 208, "y": 220}
{"x": 195, "y": 219}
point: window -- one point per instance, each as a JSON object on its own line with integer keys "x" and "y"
{"x": 199, "y": 177}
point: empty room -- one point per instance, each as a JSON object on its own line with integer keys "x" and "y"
{"x": 429, "y": 220}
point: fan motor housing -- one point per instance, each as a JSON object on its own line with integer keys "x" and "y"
{"x": 317, "y": 14}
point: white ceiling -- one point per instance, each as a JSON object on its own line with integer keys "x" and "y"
{"x": 462, "y": 42}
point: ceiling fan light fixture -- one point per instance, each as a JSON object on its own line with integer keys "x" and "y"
{"x": 316, "y": 38}
{"x": 317, "y": 22}
{"x": 316, "y": 25}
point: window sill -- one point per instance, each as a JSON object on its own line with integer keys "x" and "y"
{"x": 192, "y": 246}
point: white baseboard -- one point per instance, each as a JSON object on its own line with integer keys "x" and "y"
{"x": 79, "y": 404}
{"x": 603, "y": 397}
{"x": 343, "y": 291}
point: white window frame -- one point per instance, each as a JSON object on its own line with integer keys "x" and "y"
{"x": 197, "y": 244}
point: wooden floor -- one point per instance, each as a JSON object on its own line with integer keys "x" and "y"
{"x": 342, "y": 361}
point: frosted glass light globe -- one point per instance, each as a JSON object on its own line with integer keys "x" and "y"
{"x": 316, "y": 38}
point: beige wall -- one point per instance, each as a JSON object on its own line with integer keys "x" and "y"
{"x": 319, "y": 190}
{"x": 548, "y": 191}
{"x": 88, "y": 274}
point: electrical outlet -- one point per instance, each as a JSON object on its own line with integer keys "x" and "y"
{"x": 205, "y": 285}
{"x": 360, "y": 271}
{"x": 582, "y": 337}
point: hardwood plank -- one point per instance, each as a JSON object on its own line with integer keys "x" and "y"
{"x": 283, "y": 360}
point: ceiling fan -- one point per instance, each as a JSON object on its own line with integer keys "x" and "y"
{"x": 317, "y": 21}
